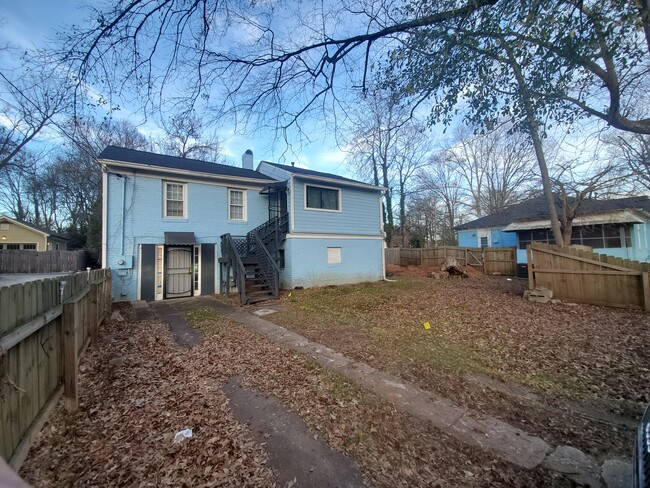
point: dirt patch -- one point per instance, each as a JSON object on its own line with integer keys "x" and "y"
{"x": 589, "y": 355}
{"x": 425, "y": 271}
{"x": 139, "y": 389}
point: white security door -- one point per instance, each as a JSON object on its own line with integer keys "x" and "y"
{"x": 178, "y": 272}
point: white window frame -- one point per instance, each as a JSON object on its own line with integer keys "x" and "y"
{"x": 334, "y": 255}
{"x": 196, "y": 269}
{"x": 338, "y": 190}
{"x": 244, "y": 202}
{"x": 184, "y": 186}
{"x": 160, "y": 272}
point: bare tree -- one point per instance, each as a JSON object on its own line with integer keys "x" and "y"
{"x": 424, "y": 219}
{"x": 574, "y": 187}
{"x": 31, "y": 97}
{"x": 631, "y": 153}
{"x": 387, "y": 146}
{"x": 13, "y": 190}
{"x": 186, "y": 137}
{"x": 497, "y": 167}
{"x": 445, "y": 185}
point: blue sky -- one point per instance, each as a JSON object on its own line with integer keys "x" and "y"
{"x": 33, "y": 23}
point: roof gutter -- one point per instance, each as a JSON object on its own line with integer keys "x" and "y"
{"x": 336, "y": 181}
{"x": 121, "y": 164}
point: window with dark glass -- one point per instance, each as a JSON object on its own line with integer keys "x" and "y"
{"x": 322, "y": 198}
{"x": 525, "y": 237}
{"x": 606, "y": 236}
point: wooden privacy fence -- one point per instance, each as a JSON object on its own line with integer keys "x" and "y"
{"x": 489, "y": 260}
{"x": 25, "y": 261}
{"x": 44, "y": 327}
{"x": 586, "y": 277}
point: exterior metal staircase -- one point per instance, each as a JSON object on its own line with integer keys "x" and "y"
{"x": 251, "y": 263}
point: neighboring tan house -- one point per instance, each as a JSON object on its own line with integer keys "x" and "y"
{"x": 16, "y": 234}
{"x": 617, "y": 227}
{"x": 176, "y": 227}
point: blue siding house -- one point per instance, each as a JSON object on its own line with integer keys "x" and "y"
{"x": 175, "y": 227}
{"x": 618, "y": 227}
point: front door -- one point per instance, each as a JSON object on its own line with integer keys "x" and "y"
{"x": 178, "y": 272}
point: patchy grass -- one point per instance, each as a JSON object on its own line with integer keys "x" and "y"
{"x": 594, "y": 356}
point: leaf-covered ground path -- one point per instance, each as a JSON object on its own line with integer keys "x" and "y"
{"x": 585, "y": 367}
{"x": 139, "y": 388}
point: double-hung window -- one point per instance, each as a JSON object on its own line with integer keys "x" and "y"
{"x": 236, "y": 204}
{"x": 322, "y": 198}
{"x": 175, "y": 201}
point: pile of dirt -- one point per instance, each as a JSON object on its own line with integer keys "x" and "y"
{"x": 424, "y": 271}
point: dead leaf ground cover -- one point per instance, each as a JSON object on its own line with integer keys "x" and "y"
{"x": 139, "y": 388}
{"x": 583, "y": 354}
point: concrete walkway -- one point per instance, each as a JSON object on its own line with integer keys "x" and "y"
{"x": 507, "y": 442}
{"x": 299, "y": 458}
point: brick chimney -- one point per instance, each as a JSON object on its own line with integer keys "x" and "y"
{"x": 247, "y": 159}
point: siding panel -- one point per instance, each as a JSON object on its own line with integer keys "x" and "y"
{"x": 359, "y": 213}
{"x": 144, "y": 224}
{"x": 306, "y": 262}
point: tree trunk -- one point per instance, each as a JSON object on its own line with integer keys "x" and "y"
{"x": 533, "y": 131}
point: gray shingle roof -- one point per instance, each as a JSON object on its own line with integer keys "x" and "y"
{"x": 309, "y": 172}
{"x": 537, "y": 209}
{"x": 173, "y": 162}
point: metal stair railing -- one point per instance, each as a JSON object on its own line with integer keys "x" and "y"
{"x": 231, "y": 255}
{"x": 272, "y": 229}
{"x": 267, "y": 264}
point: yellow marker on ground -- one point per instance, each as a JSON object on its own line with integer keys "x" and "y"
{"x": 427, "y": 325}
{"x": 289, "y": 294}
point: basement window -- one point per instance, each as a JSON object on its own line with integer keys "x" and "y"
{"x": 333, "y": 255}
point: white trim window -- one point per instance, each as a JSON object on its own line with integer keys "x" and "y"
{"x": 175, "y": 200}
{"x": 323, "y": 198}
{"x": 236, "y": 204}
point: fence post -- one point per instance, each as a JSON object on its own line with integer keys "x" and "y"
{"x": 94, "y": 290}
{"x": 646, "y": 291}
{"x": 531, "y": 278}
{"x": 70, "y": 373}
{"x": 108, "y": 290}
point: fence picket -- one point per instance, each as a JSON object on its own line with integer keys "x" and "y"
{"x": 33, "y": 367}
{"x": 586, "y": 277}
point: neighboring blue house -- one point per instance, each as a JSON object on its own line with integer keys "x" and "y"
{"x": 175, "y": 227}
{"x": 616, "y": 227}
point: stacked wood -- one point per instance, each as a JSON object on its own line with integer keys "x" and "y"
{"x": 451, "y": 267}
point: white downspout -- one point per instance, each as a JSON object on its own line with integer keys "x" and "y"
{"x": 123, "y": 214}
{"x": 292, "y": 206}
{"x": 104, "y": 215}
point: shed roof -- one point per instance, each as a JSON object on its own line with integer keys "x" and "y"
{"x": 536, "y": 209}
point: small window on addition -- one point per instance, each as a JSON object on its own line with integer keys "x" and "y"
{"x": 333, "y": 255}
